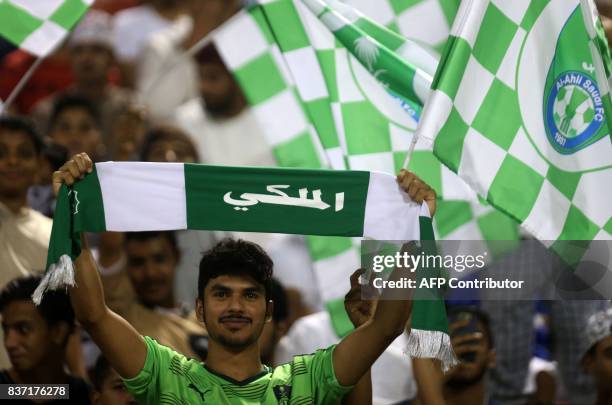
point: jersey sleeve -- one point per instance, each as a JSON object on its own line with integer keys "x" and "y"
{"x": 146, "y": 386}
{"x": 324, "y": 382}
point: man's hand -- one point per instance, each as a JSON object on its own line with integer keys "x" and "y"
{"x": 358, "y": 309}
{"x": 71, "y": 171}
{"x": 417, "y": 189}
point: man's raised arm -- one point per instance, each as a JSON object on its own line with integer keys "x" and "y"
{"x": 356, "y": 353}
{"x": 122, "y": 345}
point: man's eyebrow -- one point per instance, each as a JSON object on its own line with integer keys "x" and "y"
{"x": 220, "y": 287}
{"x": 258, "y": 289}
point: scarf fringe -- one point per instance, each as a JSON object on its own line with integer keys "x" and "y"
{"x": 431, "y": 344}
{"x": 58, "y": 275}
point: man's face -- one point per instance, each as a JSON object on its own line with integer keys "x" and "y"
{"x": 76, "y": 130}
{"x": 28, "y": 339}
{"x": 599, "y": 365}
{"x": 471, "y": 372}
{"x": 151, "y": 264}
{"x": 113, "y": 392}
{"x": 18, "y": 163}
{"x": 91, "y": 62}
{"x": 217, "y": 87}
{"x": 171, "y": 150}
{"x": 234, "y": 311}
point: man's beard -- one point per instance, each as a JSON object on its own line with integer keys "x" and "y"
{"x": 234, "y": 343}
{"x": 461, "y": 382}
{"x": 220, "y": 107}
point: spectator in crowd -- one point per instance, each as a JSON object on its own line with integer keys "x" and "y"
{"x": 234, "y": 304}
{"x": 75, "y": 124}
{"x": 91, "y": 58}
{"x": 512, "y": 318}
{"x": 108, "y": 388}
{"x": 150, "y": 17}
{"x": 140, "y": 287}
{"x": 219, "y": 121}
{"x": 464, "y": 384}
{"x": 474, "y": 347}
{"x": 36, "y": 339}
{"x": 168, "y": 144}
{"x": 597, "y": 360}
{"x": 278, "y": 325}
{"x": 128, "y": 134}
{"x": 40, "y": 195}
{"x": 24, "y": 232}
{"x": 167, "y": 74}
{"x": 226, "y": 132}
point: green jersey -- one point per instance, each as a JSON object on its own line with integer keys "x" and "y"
{"x": 170, "y": 378}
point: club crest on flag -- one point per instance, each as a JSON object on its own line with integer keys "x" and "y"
{"x": 574, "y": 111}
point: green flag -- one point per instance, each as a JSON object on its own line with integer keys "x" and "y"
{"x": 39, "y": 27}
{"x": 521, "y": 111}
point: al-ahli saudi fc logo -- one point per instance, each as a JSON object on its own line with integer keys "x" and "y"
{"x": 574, "y": 112}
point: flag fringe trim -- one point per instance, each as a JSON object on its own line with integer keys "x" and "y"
{"x": 59, "y": 275}
{"x": 431, "y": 344}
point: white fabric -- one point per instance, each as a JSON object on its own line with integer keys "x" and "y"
{"x": 167, "y": 76}
{"x": 383, "y": 197}
{"x": 237, "y": 141}
{"x": 133, "y": 28}
{"x": 127, "y": 196}
{"x": 392, "y": 378}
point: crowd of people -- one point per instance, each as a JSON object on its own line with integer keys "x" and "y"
{"x": 224, "y": 317}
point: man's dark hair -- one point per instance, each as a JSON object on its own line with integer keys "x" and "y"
{"x": 55, "y": 306}
{"x": 209, "y": 54}
{"x": 164, "y": 133}
{"x": 56, "y": 155}
{"x": 18, "y": 123}
{"x": 235, "y": 257}
{"x": 279, "y": 296}
{"x": 145, "y": 236}
{"x": 99, "y": 372}
{"x": 74, "y": 100}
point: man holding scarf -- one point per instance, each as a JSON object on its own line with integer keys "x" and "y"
{"x": 233, "y": 302}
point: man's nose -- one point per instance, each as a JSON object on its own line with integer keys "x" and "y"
{"x": 11, "y": 339}
{"x": 236, "y": 302}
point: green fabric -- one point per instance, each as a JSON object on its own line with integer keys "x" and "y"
{"x": 37, "y": 27}
{"x": 77, "y": 209}
{"x": 539, "y": 165}
{"x": 169, "y": 378}
{"x": 206, "y": 187}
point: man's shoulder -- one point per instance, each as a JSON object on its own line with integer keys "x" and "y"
{"x": 303, "y": 362}
{"x": 172, "y": 361}
{"x": 190, "y": 112}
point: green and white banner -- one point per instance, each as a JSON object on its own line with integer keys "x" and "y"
{"x": 39, "y": 26}
{"x": 426, "y": 22}
{"x": 521, "y": 111}
{"x": 137, "y": 196}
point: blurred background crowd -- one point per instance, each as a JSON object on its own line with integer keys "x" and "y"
{"x": 135, "y": 82}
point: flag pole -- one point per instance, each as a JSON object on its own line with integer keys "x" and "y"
{"x": 415, "y": 138}
{"x": 22, "y": 82}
